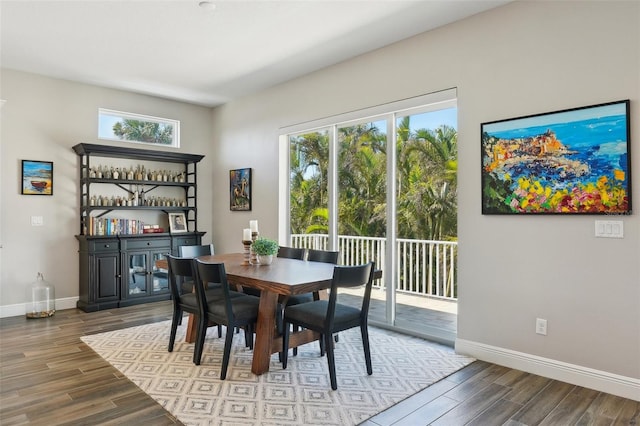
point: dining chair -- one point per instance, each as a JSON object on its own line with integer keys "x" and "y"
{"x": 323, "y": 256}
{"x": 238, "y": 311}
{"x": 328, "y": 316}
{"x": 180, "y": 271}
{"x": 292, "y": 252}
{"x": 191, "y": 252}
{"x": 195, "y": 251}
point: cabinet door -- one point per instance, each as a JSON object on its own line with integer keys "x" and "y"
{"x": 159, "y": 276}
{"x": 136, "y": 268}
{"x": 107, "y": 276}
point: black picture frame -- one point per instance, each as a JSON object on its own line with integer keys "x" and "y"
{"x": 240, "y": 189}
{"x": 36, "y": 177}
{"x": 572, "y": 161}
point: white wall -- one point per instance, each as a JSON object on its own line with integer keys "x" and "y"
{"x": 41, "y": 120}
{"x": 524, "y": 58}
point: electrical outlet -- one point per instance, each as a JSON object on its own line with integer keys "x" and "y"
{"x": 541, "y": 326}
{"x": 37, "y": 221}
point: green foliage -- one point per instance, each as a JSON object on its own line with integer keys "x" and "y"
{"x": 426, "y": 182}
{"x": 143, "y": 131}
{"x": 263, "y": 246}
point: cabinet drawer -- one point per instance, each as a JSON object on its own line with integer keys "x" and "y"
{"x": 102, "y": 246}
{"x": 146, "y": 244}
{"x": 186, "y": 241}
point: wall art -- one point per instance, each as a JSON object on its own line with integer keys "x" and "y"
{"x": 240, "y": 189}
{"x": 37, "y": 177}
{"x": 574, "y": 161}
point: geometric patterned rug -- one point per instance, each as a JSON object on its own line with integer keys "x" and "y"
{"x": 299, "y": 395}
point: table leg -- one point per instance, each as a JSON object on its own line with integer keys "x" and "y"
{"x": 190, "y": 336}
{"x": 264, "y": 332}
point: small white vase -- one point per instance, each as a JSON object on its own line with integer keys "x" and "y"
{"x": 265, "y": 259}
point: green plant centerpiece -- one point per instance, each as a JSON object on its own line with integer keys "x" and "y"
{"x": 265, "y": 249}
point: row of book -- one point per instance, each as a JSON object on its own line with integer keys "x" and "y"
{"x": 112, "y": 226}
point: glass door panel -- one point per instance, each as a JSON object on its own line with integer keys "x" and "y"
{"x": 308, "y": 189}
{"x": 362, "y": 192}
{"x": 160, "y": 276}
{"x": 426, "y": 216}
{"x": 137, "y": 278}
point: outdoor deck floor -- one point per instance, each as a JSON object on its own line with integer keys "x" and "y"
{"x": 427, "y": 317}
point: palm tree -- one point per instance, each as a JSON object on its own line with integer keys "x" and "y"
{"x": 143, "y": 131}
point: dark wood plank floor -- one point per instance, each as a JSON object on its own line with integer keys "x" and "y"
{"x": 49, "y": 377}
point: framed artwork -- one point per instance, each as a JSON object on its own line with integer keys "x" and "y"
{"x": 240, "y": 189}
{"x": 37, "y": 177}
{"x": 574, "y": 161}
{"x": 177, "y": 223}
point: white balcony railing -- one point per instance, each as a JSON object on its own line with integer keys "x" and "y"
{"x": 425, "y": 267}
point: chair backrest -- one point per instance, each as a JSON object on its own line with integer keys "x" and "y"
{"x": 195, "y": 251}
{"x": 346, "y": 277}
{"x": 291, "y": 252}
{"x": 211, "y": 273}
{"x": 323, "y": 256}
{"x": 180, "y": 271}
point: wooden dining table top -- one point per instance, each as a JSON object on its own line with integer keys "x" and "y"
{"x": 283, "y": 276}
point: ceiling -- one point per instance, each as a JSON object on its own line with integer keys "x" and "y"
{"x": 180, "y": 50}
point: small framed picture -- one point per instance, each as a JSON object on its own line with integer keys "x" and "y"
{"x": 37, "y": 177}
{"x": 240, "y": 189}
{"x": 177, "y": 223}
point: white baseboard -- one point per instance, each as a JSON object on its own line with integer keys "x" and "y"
{"x": 20, "y": 309}
{"x": 626, "y": 387}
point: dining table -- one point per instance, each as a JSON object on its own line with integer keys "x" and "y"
{"x": 277, "y": 281}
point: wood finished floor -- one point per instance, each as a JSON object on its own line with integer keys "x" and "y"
{"x": 49, "y": 377}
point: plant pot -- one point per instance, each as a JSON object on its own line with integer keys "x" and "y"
{"x": 265, "y": 259}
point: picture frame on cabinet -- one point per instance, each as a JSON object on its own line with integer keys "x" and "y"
{"x": 177, "y": 223}
{"x": 240, "y": 189}
{"x": 572, "y": 161}
{"x": 37, "y": 177}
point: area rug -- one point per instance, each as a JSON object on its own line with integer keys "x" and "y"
{"x": 299, "y": 395}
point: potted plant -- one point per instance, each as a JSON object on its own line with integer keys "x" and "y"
{"x": 265, "y": 249}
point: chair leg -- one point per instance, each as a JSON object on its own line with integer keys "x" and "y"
{"x": 201, "y": 333}
{"x": 219, "y": 330}
{"x": 284, "y": 355}
{"x": 227, "y": 352}
{"x": 367, "y": 351}
{"x": 177, "y": 314}
{"x": 331, "y": 360}
{"x": 322, "y": 345}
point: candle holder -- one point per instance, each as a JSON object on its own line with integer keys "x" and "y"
{"x": 247, "y": 254}
{"x": 254, "y": 256}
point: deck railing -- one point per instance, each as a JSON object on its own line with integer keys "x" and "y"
{"x": 425, "y": 267}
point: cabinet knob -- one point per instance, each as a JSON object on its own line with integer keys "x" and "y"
{"x": 106, "y": 246}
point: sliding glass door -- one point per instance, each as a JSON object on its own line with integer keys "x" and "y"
{"x": 383, "y": 189}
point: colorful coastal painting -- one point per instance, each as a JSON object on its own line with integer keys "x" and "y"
{"x": 240, "y": 189}
{"x": 37, "y": 177}
{"x": 573, "y": 161}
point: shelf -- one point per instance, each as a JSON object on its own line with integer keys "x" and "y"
{"x": 135, "y": 153}
{"x": 137, "y": 182}
{"x": 139, "y": 208}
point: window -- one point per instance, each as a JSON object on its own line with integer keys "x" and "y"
{"x": 137, "y": 128}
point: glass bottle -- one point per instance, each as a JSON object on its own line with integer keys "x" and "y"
{"x": 43, "y": 299}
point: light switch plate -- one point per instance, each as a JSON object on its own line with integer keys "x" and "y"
{"x": 609, "y": 229}
{"x": 37, "y": 221}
